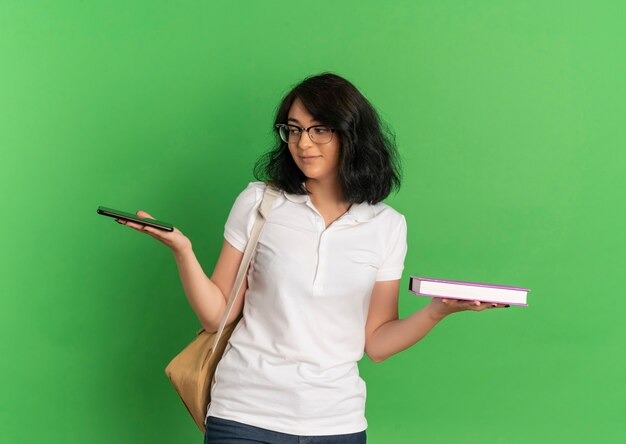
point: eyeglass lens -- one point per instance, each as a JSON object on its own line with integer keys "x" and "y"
{"x": 318, "y": 134}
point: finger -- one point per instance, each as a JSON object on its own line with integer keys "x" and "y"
{"x": 465, "y": 302}
{"x": 150, "y": 231}
{"x": 139, "y": 227}
{"x": 144, "y": 214}
{"x": 472, "y": 305}
{"x": 129, "y": 224}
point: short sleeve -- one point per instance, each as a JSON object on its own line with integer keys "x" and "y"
{"x": 393, "y": 264}
{"x": 242, "y": 215}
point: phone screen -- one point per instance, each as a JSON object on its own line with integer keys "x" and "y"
{"x": 118, "y": 214}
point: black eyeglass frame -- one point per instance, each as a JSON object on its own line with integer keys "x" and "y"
{"x": 302, "y": 129}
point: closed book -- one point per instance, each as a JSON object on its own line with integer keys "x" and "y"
{"x": 471, "y": 291}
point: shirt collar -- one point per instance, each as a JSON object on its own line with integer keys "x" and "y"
{"x": 361, "y": 212}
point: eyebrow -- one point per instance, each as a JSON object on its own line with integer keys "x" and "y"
{"x": 293, "y": 119}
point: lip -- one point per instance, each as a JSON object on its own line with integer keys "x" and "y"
{"x": 308, "y": 157}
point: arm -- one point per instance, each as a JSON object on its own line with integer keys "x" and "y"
{"x": 206, "y": 296}
{"x": 385, "y": 334}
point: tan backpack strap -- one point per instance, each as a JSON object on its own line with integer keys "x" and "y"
{"x": 269, "y": 196}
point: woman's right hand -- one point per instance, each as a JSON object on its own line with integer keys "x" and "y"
{"x": 175, "y": 240}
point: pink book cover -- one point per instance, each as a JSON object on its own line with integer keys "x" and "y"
{"x": 471, "y": 284}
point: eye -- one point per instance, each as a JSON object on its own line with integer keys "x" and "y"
{"x": 322, "y": 129}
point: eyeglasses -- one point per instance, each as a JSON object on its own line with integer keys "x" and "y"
{"x": 292, "y": 133}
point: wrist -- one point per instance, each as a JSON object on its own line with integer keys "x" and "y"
{"x": 434, "y": 314}
{"x": 181, "y": 252}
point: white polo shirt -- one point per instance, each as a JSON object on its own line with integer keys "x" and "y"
{"x": 291, "y": 363}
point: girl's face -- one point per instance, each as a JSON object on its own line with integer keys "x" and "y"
{"x": 323, "y": 159}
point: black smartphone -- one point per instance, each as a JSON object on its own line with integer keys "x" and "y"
{"x": 161, "y": 225}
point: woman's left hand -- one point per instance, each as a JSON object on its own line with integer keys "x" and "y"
{"x": 444, "y": 306}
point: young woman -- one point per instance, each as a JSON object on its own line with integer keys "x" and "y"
{"x": 322, "y": 288}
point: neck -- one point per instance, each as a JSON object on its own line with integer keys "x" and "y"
{"x": 326, "y": 193}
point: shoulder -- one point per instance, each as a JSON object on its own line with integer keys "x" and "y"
{"x": 253, "y": 191}
{"x": 388, "y": 215}
{"x": 258, "y": 185}
{"x": 250, "y": 198}
{"x": 391, "y": 224}
{"x": 393, "y": 229}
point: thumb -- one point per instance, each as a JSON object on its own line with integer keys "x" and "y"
{"x": 144, "y": 214}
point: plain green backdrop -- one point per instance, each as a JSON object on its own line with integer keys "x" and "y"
{"x": 509, "y": 117}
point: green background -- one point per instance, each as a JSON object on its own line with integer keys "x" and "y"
{"x": 509, "y": 118}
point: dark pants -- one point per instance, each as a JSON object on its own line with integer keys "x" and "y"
{"x": 226, "y": 431}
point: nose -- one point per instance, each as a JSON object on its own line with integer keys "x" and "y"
{"x": 305, "y": 140}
